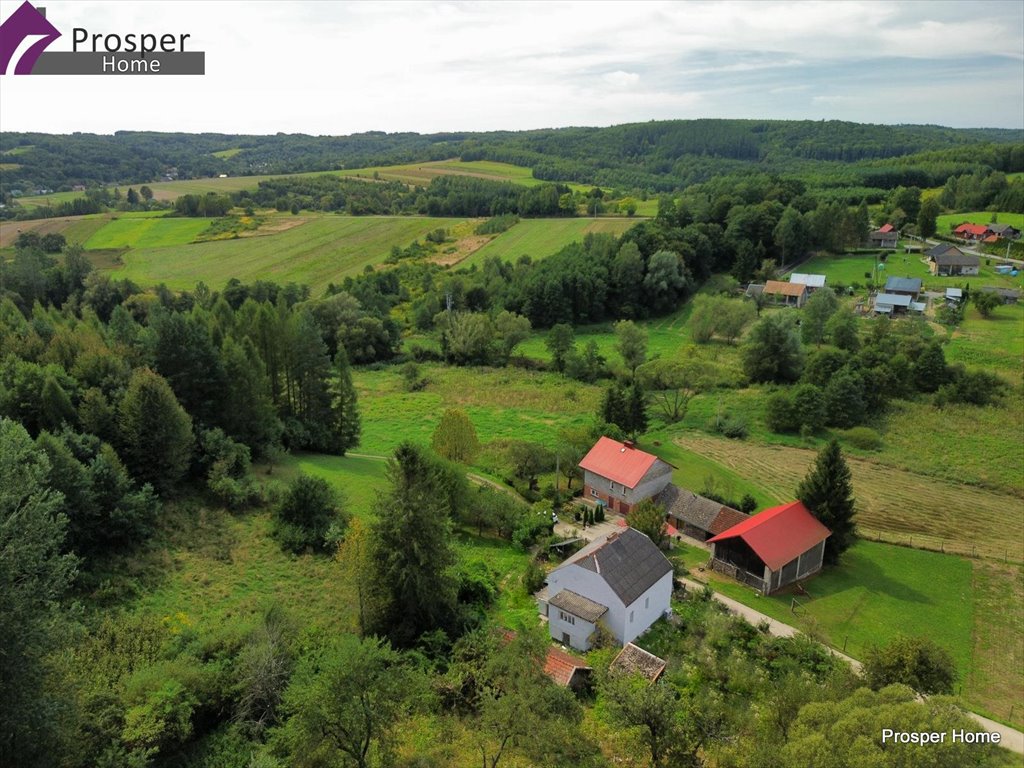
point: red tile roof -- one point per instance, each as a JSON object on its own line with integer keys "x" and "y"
{"x": 560, "y": 666}
{"x": 617, "y": 461}
{"x": 784, "y": 289}
{"x": 779, "y": 534}
{"x": 972, "y": 229}
{"x": 886, "y": 228}
{"x": 991, "y": 239}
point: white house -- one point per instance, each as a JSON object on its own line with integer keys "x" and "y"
{"x": 620, "y": 475}
{"x": 621, "y": 581}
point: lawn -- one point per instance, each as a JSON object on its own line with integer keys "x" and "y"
{"x": 850, "y": 269}
{"x": 319, "y": 250}
{"x": 880, "y": 591}
{"x": 357, "y": 478}
{"x": 146, "y": 232}
{"x": 538, "y": 238}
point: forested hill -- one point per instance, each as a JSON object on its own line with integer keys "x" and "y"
{"x": 658, "y": 155}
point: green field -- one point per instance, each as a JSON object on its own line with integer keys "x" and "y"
{"x": 502, "y": 403}
{"x": 948, "y": 221}
{"x": 849, "y": 269}
{"x": 996, "y": 342}
{"x": 146, "y": 233}
{"x": 224, "y": 154}
{"x": 538, "y": 238}
{"x": 54, "y": 198}
{"x": 319, "y": 250}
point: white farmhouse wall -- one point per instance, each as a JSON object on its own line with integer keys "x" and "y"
{"x": 579, "y": 631}
{"x": 646, "y": 609}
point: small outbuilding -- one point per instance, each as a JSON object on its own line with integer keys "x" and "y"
{"x": 696, "y": 516}
{"x": 1008, "y": 295}
{"x": 789, "y": 294}
{"x": 892, "y": 304}
{"x": 880, "y": 239}
{"x": 772, "y": 549}
{"x": 634, "y": 660}
{"x": 812, "y": 281}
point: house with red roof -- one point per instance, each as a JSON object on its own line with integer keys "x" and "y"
{"x": 620, "y": 475}
{"x": 969, "y": 231}
{"x": 772, "y": 549}
{"x": 886, "y": 228}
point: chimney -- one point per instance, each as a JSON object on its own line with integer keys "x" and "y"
{"x": 629, "y": 444}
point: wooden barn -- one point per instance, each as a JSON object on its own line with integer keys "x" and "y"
{"x": 772, "y": 549}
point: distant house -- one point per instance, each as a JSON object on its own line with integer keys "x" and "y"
{"x": 772, "y": 549}
{"x": 892, "y": 304}
{"x": 887, "y": 228}
{"x": 620, "y": 475}
{"x": 621, "y": 581}
{"x": 634, "y": 660}
{"x": 696, "y": 516}
{"x": 968, "y": 231}
{"x": 813, "y": 282}
{"x": 954, "y": 297}
{"x": 904, "y": 286}
{"x": 1008, "y": 295}
{"x": 790, "y": 294}
{"x": 1005, "y": 231}
{"x": 880, "y": 239}
{"x": 947, "y": 260}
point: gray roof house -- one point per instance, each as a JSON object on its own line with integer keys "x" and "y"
{"x": 908, "y": 286}
{"x": 695, "y": 516}
{"x": 1005, "y": 231}
{"x": 891, "y": 303}
{"x": 621, "y": 580}
{"x": 881, "y": 239}
{"x": 954, "y": 297}
{"x": 1008, "y": 295}
{"x": 946, "y": 259}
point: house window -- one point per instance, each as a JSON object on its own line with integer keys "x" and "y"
{"x": 594, "y": 493}
{"x": 611, "y": 485}
{"x": 567, "y": 618}
{"x": 647, "y": 603}
{"x": 631, "y": 617}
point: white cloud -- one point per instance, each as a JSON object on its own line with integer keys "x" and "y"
{"x": 334, "y": 68}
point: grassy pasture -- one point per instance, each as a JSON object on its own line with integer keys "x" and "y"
{"x": 948, "y": 221}
{"x": 54, "y": 198}
{"x": 321, "y": 249}
{"x": 538, "y": 238}
{"x": 909, "y": 507}
{"x": 224, "y": 154}
{"x": 996, "y": 343}
{"x": 146, "y": 233}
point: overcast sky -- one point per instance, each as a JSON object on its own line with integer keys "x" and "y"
{"x": 338, "y": 68}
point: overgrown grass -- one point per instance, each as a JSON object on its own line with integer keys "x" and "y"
{"x": 996, "y": 342}
{"x": 320, "y": 250}
{"x": 501, "y": 403}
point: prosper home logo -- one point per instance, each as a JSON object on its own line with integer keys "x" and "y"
{"x": 27, "y": 30}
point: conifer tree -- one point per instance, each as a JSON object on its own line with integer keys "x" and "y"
{"x": 827, "y": 491}
{"x": 344, "y": 406}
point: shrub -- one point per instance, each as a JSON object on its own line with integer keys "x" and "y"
{"x": 864, "y": 438}
{"x": 309, "y": 515}
{"x": 734, "y": 427}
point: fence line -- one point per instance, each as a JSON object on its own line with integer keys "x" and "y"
{"x": 939, "y": 544}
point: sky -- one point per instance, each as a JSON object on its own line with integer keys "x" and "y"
{"x": 335, "y": 68}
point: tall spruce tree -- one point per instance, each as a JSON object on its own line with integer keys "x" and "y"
{"x": 827, "y": 491}
{"x": 344, "y": 405}
{"x": 411, "y": 551}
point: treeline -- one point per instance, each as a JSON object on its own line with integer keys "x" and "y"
{"x": 444, "y": 196}
{"x": 658, "y": 155}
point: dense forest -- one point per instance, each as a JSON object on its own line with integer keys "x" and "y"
{"x": 659, "y": 155}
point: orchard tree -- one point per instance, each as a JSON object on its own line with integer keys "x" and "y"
{"x": 560, "y": 342}
{"x": 306, "y": 515}
{"x": 649, "y": 519}
{"x": 455, "y": 438}
{"x": 817, "y": 312}
{"x": 986, "y": 302}
{"x": 631, "y": 344}
{"x": 773, "y": 351}
{"x": 827, "y": 491}
{"x": 914, "y": 661}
